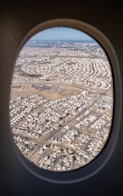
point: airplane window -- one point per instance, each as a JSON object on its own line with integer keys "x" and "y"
{"x": 61, "y": 100}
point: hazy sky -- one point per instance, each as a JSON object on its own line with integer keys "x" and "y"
{"x": 61, "y": 33}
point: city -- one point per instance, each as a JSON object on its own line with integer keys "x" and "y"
{"x": 61, "y": 103}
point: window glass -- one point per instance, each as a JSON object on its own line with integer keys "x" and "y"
{"x": 61, "y": 100}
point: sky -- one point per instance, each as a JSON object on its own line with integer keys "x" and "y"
{"x": 61, "y": 33}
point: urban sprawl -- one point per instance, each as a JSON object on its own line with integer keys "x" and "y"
{"x": 61, "y": 103}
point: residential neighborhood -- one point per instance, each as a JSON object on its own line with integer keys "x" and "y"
{"x": 61, "y": 103}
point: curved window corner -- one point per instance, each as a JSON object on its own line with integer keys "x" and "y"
{"x": 62, "y": 100}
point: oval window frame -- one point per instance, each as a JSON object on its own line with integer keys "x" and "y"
{"x": 105, "y": 154}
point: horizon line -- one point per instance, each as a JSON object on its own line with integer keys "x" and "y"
{"x": 90, "y": 40}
